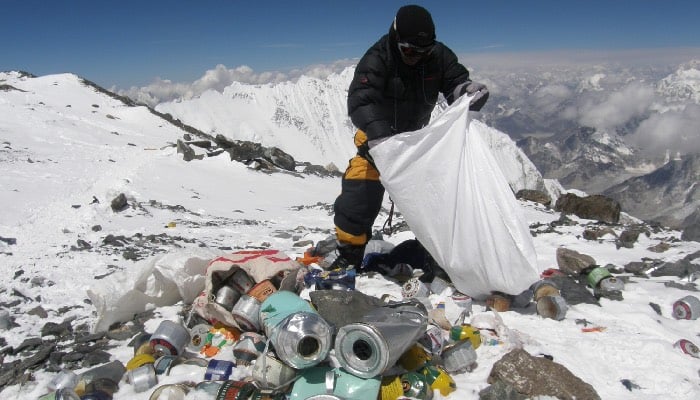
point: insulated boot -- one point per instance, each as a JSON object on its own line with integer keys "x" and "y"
{"x": 348, "y": 256}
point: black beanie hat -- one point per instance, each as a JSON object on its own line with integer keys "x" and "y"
{"x": 414, "y": 25}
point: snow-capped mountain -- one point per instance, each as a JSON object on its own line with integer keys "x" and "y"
{"x": 307, "y": 118}
{"x": 682, "y": 85}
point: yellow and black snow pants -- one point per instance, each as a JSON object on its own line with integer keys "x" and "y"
{"x": 360, "y": 199}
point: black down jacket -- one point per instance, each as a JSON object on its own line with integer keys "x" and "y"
{"x": 387, "y": 97}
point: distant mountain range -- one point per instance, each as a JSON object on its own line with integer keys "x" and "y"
{"x": 308, "y": 120}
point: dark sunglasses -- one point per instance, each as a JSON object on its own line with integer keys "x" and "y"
{"x": 411, "y": 50}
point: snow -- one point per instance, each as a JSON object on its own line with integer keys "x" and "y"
{"x": 64, "y": 145}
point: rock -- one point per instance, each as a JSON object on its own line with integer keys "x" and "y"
{"x": 574, "y": 292}
{"x": 596, "y": 207}
{"x": 534, "y": 195}
{"x": 186, "y": 151}
{"x": 660, "y": 247}
{"x": 280, "y": 158}
{"x": 572, "y": 262}
{"x": 39, "y": 312}
{"x": 538, "y": 376}
{"x": 119, "y": 203}
{"x": 598, "y": 232}
{"x": 500, "y": 390}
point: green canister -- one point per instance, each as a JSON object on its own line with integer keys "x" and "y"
{"x": 415, "y": 385}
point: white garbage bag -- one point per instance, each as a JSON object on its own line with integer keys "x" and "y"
{"x": 454, "y": 197}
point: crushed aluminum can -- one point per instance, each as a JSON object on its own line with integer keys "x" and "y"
{"x": 415, "y": 385}
{"x": 226, "y": 297}
{"x": 686, "y": 308}
{"x": 466, "y": 332}
{"x": 163, "y": 364}
{"x": 462, "y": 301}
{"x": 414, "y": 288}
{"x": 688, "y": 347}
{"x": 248, "y": 347}
{"x": 198, "y": 337}
{"x": 459, "y": 357}
{"x": 271, "y": 373}
{"x": 235, "y": 390}
{"x": 142, "y": 378}
{"x": 170, "y": 338}
{"x": 553, "y": 307}
{"x": 433, "y": 340}
{"x": 219, "y": 370}
{"x": 368, "y": 348}
{"x": 246, "y": 313}
{"x": 64, "y": 379}
{"x": 176, "y": 391}
{"x": 439, "y": 380}
{"x": 262, "y": 290}
{"x": 61, "y": 394}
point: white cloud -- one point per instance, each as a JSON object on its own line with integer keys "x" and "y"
{"x": 675, "y": 131}
{"x": 161, "y": 90}
{"x": 619, "y": 107}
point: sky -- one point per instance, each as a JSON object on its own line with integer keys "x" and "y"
{"x": 129, "y": 43}
{"x": 201, "y": 209}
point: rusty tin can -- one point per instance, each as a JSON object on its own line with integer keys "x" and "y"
{"x": 553, "y": 307}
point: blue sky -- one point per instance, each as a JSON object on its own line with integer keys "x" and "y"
{"x": 130, "y": 43}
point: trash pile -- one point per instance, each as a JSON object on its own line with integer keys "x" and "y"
{"x": 268, "y": 327}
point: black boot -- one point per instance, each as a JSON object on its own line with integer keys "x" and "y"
{"x": 348, "y": 256}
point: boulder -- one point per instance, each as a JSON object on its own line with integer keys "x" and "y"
{"x": 596, "y": 207}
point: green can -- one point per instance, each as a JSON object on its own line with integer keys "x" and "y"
{"x": 596, "y": 275}
{"x": 416, "y": 385}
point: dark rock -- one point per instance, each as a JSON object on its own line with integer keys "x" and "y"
{"x": 500, "y": 390}
{"x": 655, "y": 307}
{"x": 659, "y": 247}
{"x": 680, "y": 268}
{"x": 629, "y": 237}
{"x": 119, "y": 203}
{"x": 638, "y": 267}
{"x": 95, "y": 358}
{"x": 96, "y": 228}
{"x": 28, "y": 344}
{"x": 691, "y": 227}
{"x": 52, "y": 328}
{"x": 572, "y": 262}
{"x": 538, "y": 376}
{"x": 534, "y": 195}
{"x": 280, "y": 158}
{"x": 596, "y": 207}
{"x": 10, "y": 241}
{"x": 186, "y": 151}
{"x": 573, "y": 291}
{"x": 39, "y": 312}
{"x": 597, "y": 233}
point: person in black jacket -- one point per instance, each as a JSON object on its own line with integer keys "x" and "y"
{"x": 395, "y": 89}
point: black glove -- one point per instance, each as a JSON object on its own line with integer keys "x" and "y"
{"x": 479, "y": 91}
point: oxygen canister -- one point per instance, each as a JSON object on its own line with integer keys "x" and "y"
{"x": 391, "y": 388}
{"x": 300, "y": 336}
{"x": 553, "y": 307}
{"x": 246, "y": 312}
{"x": 170, "y": 338}
{"x": 325, "y": 382}
{"x": 686, "y": 308}
{"x": 368, "y": 348}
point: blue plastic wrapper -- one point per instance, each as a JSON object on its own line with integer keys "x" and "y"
{"x": 338, "y": 279}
